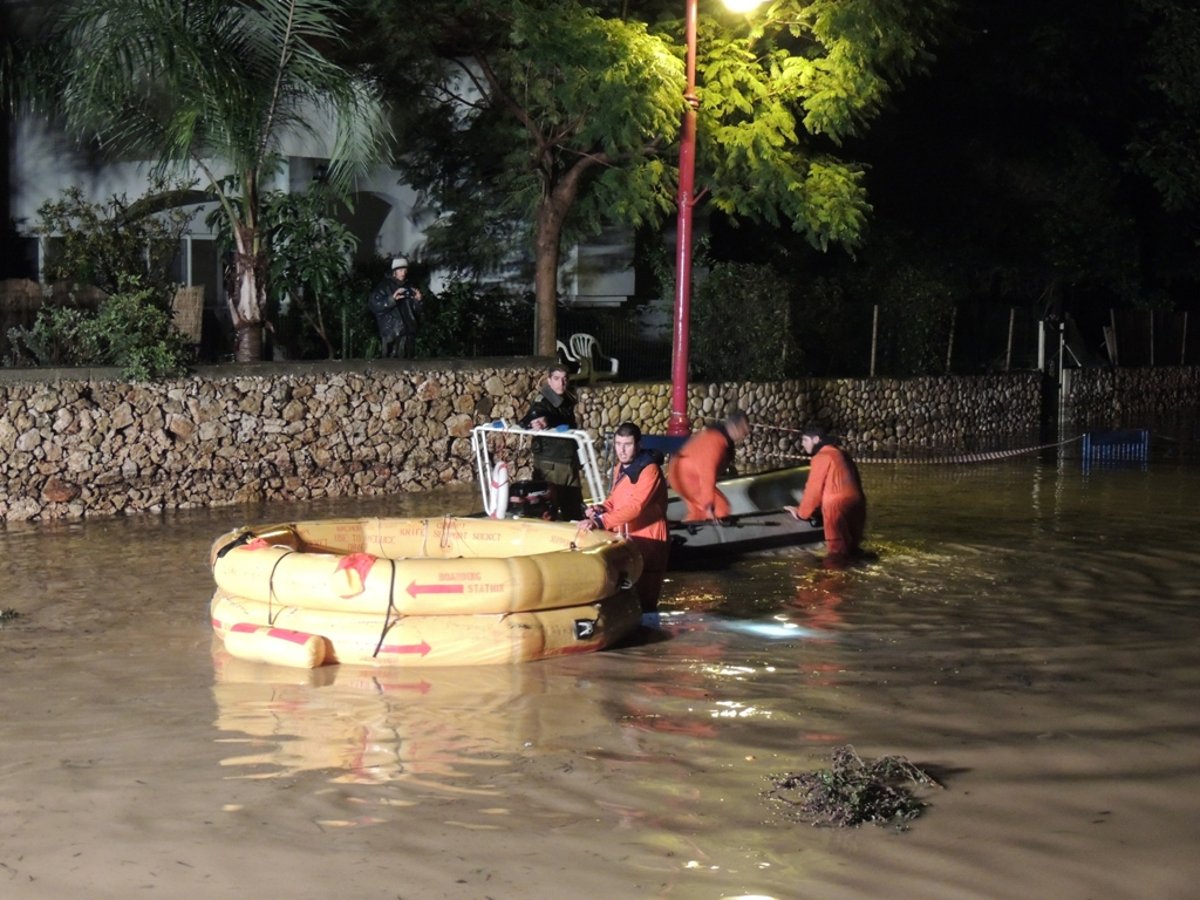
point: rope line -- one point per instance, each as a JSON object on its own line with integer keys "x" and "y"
{"x": 982, "y": 456}
{"x": 387, "y": 615}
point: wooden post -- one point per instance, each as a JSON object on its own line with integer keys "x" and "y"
{"x": 1116, "y": 347}
{"x": 1183, "y": 342}
{"x": 1012, "y": 316}
{"x": 950, "y": 342}
{"x": 874, "y": 337}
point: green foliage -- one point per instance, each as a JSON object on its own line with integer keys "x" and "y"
{"x": 567, "y": 100}
{"x": 59, "y": 336}
{"x": 129, "y": 330}
{"x": 127, "y": 251}
{"x": 1169, "y": 130}
{"x": 185, "y": 84}
{"x": 741, "y": 325}
{"x": 916, "y": 307}
{"x": 465, "y": 320}
{"x": 567, "y": 116}
{"x": 113, "y": 244}
{"x": 349, "y": 328}
{"x": 308, "y": 256}
{"x": 833, "y": 331}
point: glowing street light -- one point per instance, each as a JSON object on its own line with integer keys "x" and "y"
{"x": 679, "y": 424}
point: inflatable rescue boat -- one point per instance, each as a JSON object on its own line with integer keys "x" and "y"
{"x": 435, "y": 591}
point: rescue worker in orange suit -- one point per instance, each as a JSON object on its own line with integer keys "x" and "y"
{"x": 636, "y": 507}
{"x": 694, "y": 468}
{"x": 835, "y": 491}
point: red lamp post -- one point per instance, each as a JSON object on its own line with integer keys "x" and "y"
{"x": 679, "y": 425}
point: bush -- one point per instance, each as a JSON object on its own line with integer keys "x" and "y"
{"x": 467, "y": 320}
{"x": 129, "y": 330}
{"x": 109, "y": 244}
{"x": 741, "y": 325}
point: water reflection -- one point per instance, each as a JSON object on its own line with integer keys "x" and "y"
{"x": 432, "y": 727}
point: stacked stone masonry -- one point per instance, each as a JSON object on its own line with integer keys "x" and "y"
{"x": 77, "y": 443}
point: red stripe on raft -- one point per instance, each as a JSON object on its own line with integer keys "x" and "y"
{"x": 285, "y": 634}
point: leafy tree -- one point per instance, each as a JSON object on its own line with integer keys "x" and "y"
{"x": 563, "y": 116}
{"x": 108, "y": 244}
{"x": 209, "y": 84}
{"x": 540, "y": 111}
{"x": 1010, "y": 165}
{"x": 1168, "y": 134}
{"x": 308, "y": 253}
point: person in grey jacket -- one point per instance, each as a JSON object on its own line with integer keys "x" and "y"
{"x": 396, "y": 305}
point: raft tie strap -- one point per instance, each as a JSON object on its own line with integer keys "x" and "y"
{"x": 391, "y": 607}
{"x": 271, "y": 615}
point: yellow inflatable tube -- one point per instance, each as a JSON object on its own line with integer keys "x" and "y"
{"x": 305, "y": 638}
{"x": 424, "y": 567}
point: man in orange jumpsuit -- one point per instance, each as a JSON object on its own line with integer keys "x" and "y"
{"x": 835, "y": 490}
{"x": 636, "y": 507}
{"x": 694, "y": 469}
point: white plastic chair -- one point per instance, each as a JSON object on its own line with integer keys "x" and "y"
{"x": 567, "y": 358}
{"x": 594, "y": 364}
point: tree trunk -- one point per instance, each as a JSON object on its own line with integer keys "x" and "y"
{"x": 551, "y": 213}
{"x": 545, "y": 287}
{"x": 545, "y": 279}
{"x": 249, "y": 345}
{"x": 248, "y": 301}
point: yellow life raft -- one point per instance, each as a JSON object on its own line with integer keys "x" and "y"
{"x": 439, "y": 591}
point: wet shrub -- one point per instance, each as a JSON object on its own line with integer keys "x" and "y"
{"x": 853, "y": 791}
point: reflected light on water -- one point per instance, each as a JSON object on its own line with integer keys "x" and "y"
{"x": 775, "y": 631}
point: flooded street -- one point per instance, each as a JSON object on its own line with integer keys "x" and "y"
{"x": 1030, "y": 633}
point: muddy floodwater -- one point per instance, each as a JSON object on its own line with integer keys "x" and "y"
{"x": 1030, "y": 633}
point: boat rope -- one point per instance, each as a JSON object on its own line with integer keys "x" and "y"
{"x": 271, "y": 614}
{"x": 982, "y": 456}
{"x": 387, "y": 615}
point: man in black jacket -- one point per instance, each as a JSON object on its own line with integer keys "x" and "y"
{"x": 396, "y": 306}
{"x": 556, "y": 461}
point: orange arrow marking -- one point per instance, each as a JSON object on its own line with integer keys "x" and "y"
{"x": 414, "y": 589}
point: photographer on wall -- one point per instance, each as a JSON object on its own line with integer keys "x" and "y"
{"x": 396, "y": 306}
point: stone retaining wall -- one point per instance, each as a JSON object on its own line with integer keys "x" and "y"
{"x": 1124, "y": 398}
{"x": 77, "y": 443}
{"x": 881, "y": 416}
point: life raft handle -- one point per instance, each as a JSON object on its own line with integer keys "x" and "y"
{"x": 247, "y": 536}
{"x": 244, "y": 538}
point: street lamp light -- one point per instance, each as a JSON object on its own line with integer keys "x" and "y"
{"x": 679, "y": 424}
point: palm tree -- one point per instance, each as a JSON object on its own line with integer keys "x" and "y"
{"x": 215, "y": 87}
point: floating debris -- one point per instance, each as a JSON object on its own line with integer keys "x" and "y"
{"x": 7, "y": 615}
{"x": 854, "y": 791}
